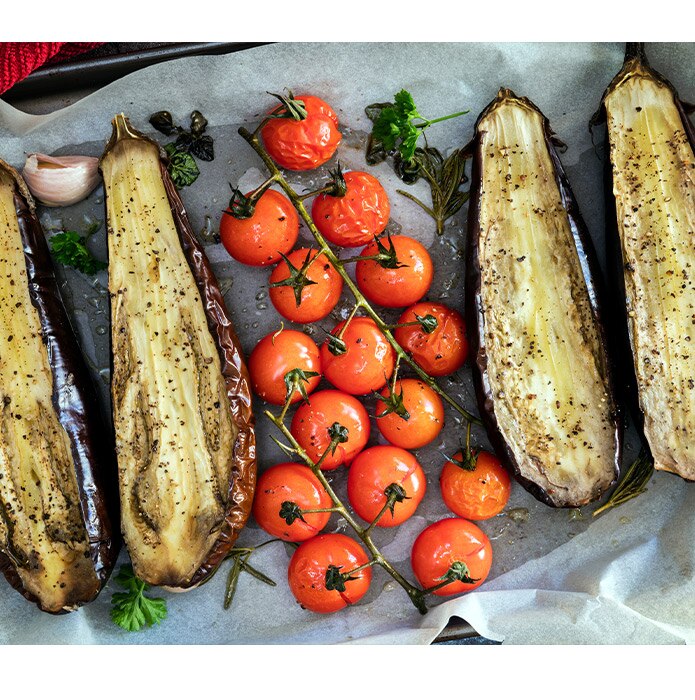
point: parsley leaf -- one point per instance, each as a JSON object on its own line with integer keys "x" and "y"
{"x": 133, "y": 610}
{"x": 69, "y": 248}
{"x": 182, "y": 166}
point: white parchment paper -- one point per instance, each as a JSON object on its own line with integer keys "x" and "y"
{"x": 558, "y": 576}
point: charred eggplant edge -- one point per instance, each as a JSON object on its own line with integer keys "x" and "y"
{"x": 474, "y": 316}
{"x": 74, "y": 400}
{"x": 237, "y": 381}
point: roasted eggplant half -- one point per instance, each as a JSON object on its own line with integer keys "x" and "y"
{"x": 180, "y": 390}
{"x": 540, "y": 360}
{"x": 650, "y": 211}
{"x": 56, "y": 453}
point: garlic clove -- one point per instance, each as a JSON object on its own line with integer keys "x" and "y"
{"x": 58, "y": 181}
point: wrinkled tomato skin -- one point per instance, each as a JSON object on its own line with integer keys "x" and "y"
{"x": 307, "y": 572}
{"x": 368, "y": 362}
{"x": 372, "y": 471}
{"x": 441, "y": 352}
{"x": 311, "y": 422}
{"x": 479, "y": 494}
{"x": 275, "y": 355}
{"x": 441, "y": 544}
{"x": 318, "y": 299}
{"x": 293, "y": 482}
{"x": 426, "y": 415}
{"x": 272, "y": 229}
{"x": 303, "y": 144}
{"x": 395, "y": 287}
{"x": 355, "y": 218}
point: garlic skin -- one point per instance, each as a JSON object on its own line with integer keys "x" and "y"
{"x": 58, "y": 181}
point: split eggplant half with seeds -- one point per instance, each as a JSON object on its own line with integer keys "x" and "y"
{"x": 650, "y": 212}
{"x": 540, "y": 366}
{"x": 180, "y": 389}
{"x": 56, "y": 544}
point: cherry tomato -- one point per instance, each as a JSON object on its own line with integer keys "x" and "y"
{"x": 367, "y": 362}
{"x": 317, "y": 300}
{"x": 307, "y": 572}
{"x": 478, "y": 494}
{"x": 440, "y": 352}
{"x": 306, "y": 143}
{"x": 276, "y": 355}
{"x": 399, "y": 286}
{"x": 373, "y": 472}
{"x": 452, "y": 541}
{"x": 425, "y": 415}
{"x": 312, "y": 421}
{"x": 272, "y": 229}
{"x": 297, "y": 484}
{"x": 358, "y": 216}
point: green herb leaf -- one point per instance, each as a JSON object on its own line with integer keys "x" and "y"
{"x": 69, "y": 248}
{"x": 634, "y": 482}
{"x": 182, "y": 166}
{"x": 132, "y": 610}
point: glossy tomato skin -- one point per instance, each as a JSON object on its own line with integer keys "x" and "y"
{"x": 479, "y": 494}
{"x": 303, "y": 144}
{"x": 447, "y": 541}
{"x": 317, "y": 300}
{"x": 401, "y": 286}
{"x": 259, "y": 240}
{"x": 426, "y": 415}
{"x": 367, "y": 363}
{"x": 441, "y": 352}
{"x": 354, "y": 219}
{"x": 307, "y": 572}
{"x": 293, "y": 482}
{"x": 312, "y": 420}
{"x": 275, "y": 355}
{"x": 372, "y": 471}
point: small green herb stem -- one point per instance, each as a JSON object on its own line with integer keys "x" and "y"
{"x": 412, "y": 198}
{"x": 429, "y": 122}
{"x": 415, "y": 594}
{"x": 340, "y": 268}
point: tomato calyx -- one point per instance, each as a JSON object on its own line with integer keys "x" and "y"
{"x": 298, "y": 279}
{"x": 393, "y": 402}
{"x": 243, "y": 206}
{"x": 458, "y": 571}
{"x": 338, "y": 434}
{"x": 290, "y": 108}
{"x": 290, "y": 511}
{"x": 295, "y": 380}
{"x": 428, "y": 323}
{"x": 335, "y": 580}
{"x": 469, "y": 459}
{"x": 394, "y": 493}
{"x": 385, "y": 257}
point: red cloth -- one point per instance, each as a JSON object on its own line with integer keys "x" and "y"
{"x": 18, "y": 59}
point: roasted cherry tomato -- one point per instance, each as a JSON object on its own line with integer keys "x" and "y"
{"x": 312, "y": 427}
{"x": 319, "y": 286}
{"x": 355, "y": 218}
{"x": 440, "y": 352}
{"x": 290, "y": 483}
{"x": 303, "y": 144}
{"x": 451, "y": 544}
{"x": 272, "y": 229}
{"x": 365, "y": 358}
{"x": 379, "y": 471}
{"x": 423, "y": 418}
{"x": 310, "y": 564}
{"x": 478, "y": 493}
{"x": 276, "y": 355}
{"x": 395, "y": 286}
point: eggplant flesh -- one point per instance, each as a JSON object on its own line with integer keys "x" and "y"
{"x": 653, "y": 185}
{"x": 178, "y": 441}
{"x": 55, "y": 539}
{"x": 541, "y": 370}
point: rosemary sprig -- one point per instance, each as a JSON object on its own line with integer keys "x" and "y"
{"x": 632, "y": 484}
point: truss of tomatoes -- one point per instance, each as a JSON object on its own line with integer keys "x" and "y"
{"x": 385, "y": 482}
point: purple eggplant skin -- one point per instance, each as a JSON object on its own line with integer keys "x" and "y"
{"x": 635, "y": 60}
{"x": 75, "y": 402}
{"x": 475, "y": 319}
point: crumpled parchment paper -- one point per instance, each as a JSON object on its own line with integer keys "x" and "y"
{"x": 558, "y": 576}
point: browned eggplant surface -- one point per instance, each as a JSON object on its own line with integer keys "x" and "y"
{"x": 540, "y": 362}
{"x": 55, "y": 534}
{"x": 180, "y": 389}
{"x": 653, "y": 186}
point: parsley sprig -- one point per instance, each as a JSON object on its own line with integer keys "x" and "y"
{"x": 132, "y": 610}
{"x": 69, "y": 248}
